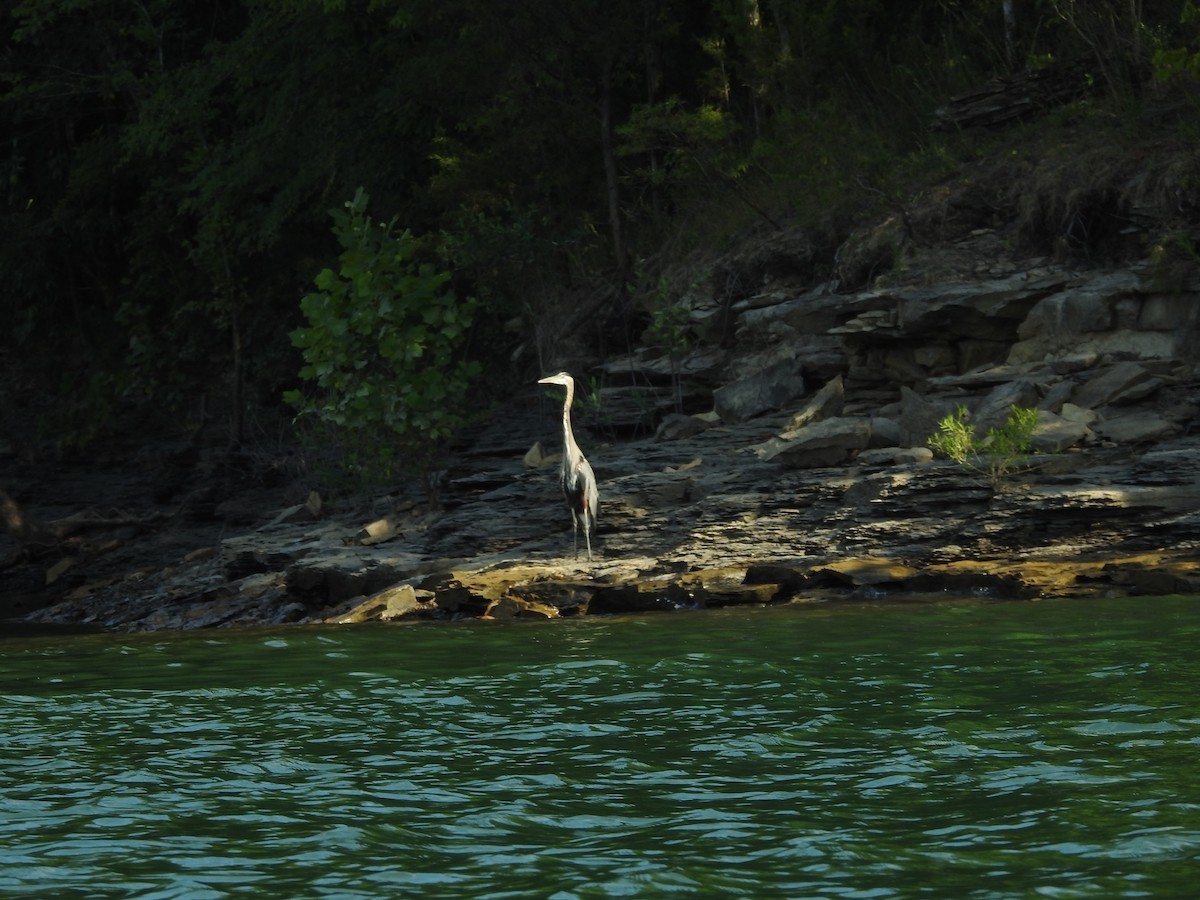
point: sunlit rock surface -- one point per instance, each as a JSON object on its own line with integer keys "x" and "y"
{"x": 789, "y": 467}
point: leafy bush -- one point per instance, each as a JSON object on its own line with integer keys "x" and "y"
{"x": 670, "y": 326}
{"x": 380, "y": 347}
{"x": 1003, "y": 450}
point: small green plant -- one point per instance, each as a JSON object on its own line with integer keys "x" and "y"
{"x": 589, "y": 404}
{"x": 589, "y": 398}
{"x": 381, "y": 347}
{"x": 1180, "y": 62}
{"x": 670, "y": 320}
{"x": 1001, "y": 452}
{"x": 1173, "y": 258}
{"x": 670, "y": 328}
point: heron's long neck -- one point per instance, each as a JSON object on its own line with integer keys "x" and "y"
{"x": 568, "y": 435}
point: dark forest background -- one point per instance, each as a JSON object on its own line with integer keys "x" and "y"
{"x": 169, "y": 168}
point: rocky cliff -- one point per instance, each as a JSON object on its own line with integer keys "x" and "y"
{"x": 797, "y": 472}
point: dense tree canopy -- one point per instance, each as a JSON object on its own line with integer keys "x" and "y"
{"x": 170, "y": 165}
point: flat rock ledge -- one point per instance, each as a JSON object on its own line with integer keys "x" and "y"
{"x": 719, "y": 528}
{"x": 806, "y": 480}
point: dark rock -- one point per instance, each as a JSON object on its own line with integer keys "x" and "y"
{"x": 823, "y": 443}
{"x": 828, "y": 402}
{"x": 1141, "y": 580}
{"x": 1139, "y": 427}
{"x": 1055, "y": 434}
{"x": 646, "y": 596}
{"x": 884, "y": 432}
{"x": 758, "y": 393}
{"x": 920, "y": 416}
{"x": 996, "y": 407}
{"x": 851, "y": 507}
{"x": 676, "y": 427}
{"x": 1122, "y": 384}
{"x": 1010, "y": 97}
{"x": 248, "y": 562}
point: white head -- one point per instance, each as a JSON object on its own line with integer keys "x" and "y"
{"x": 561, "y": 378}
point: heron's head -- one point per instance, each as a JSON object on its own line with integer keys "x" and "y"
{"x": 561, "y": 378}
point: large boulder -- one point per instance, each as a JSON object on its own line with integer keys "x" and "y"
{"x": 1137, "y": 427}
{"x": 824, "y": 443}
{"x": 976, "y": 310}
{"x": 919, "y": 416}
{"x": 1124, "y": 383}
{"x": 1113, "y": 313}
{"x": 993, "y": 411}
{"x": 829, "y": 401}
{"x": 769, "y": 388}
{"x": 1054, "y": 433}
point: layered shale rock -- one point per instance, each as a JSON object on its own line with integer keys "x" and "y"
{"x": 787, "y": 465}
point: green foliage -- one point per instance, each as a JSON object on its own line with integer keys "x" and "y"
{"x": 380, "y": 346}
{"x": 670, "y": 328}
{"x": 670, "y": 321}
{"x": 1181, "y": 62}
{"x": 156, "y": 202}
{"x": 1000, "y": 453}
{"x": 589, "y": 397}
{"x": 1173, "y": 259}
{"x": 668, "y": 143}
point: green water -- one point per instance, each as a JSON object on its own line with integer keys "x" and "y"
{"x": 956, "y": 750}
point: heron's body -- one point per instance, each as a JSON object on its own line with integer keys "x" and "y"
{"x": 578, "y": 480}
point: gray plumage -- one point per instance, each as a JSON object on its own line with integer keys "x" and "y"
{"x": 578, "y": 480}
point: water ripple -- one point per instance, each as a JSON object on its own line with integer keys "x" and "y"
{"x": 949, "y": 750}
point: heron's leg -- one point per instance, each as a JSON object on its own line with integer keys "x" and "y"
{"x": 575, "y": 532}
{"x": 587, "y": 534}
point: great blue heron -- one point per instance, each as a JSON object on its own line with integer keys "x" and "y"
{"x": 578, "y": 480}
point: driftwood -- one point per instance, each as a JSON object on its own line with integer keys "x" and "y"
{"x": 1002, "y": 100}
{"x": 15, "y": 521}
{"x": 29, "y": 531}
{"x": 71, "y": 525}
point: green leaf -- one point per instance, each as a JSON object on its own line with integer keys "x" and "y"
{"x": 381, "y": 338}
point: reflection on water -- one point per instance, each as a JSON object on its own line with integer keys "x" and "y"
{"x": 964, "y": 750}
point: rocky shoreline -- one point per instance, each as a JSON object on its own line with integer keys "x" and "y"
{"x": 804, "y": 478}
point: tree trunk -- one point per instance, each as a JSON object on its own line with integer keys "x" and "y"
{"x": 15, "y": 521}
{"x": 237, "y": 425}
{"x": 608, "y": 148}
{"x": 1010, "y": 36}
